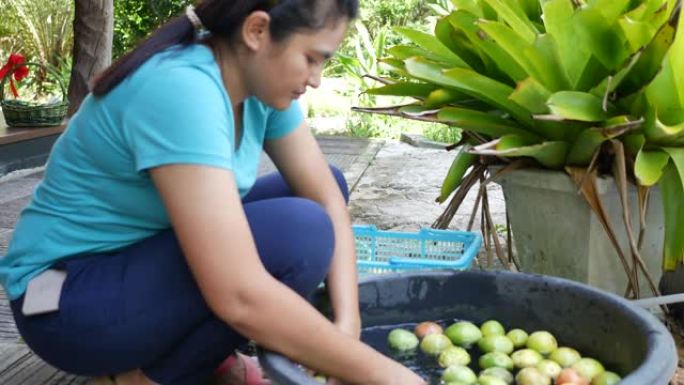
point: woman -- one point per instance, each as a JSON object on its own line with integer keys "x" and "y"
{"x": 149, "y": 253}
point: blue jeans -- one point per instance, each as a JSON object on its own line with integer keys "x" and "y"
{"x": 140, "y": 307}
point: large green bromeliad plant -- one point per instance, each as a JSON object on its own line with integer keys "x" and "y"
{"x": 584, "y": 86}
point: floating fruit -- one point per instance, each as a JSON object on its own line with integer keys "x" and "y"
{"x": 606, "y": 378}
{"x": 495, "y": 343}
{"x": 401, "y": 339}
{"x": 542, "y": 341}
{"x": 526, "y": 358}
{"x": 497, "y": 372}
{"x": 453, "y": 355}
{"x": 570, "y": 376}
{"x": 427, "y": 327}
{"x": 434, "y": 344}
{"x": 495, "y": 359}
{"x": 531, "y": 376}
{"x": 588, "y": 368}
{"x": 565, "y": 356}
{"x": 518, "y": 337}
{"x": 463, "y": 333}
{"x": 459, "y": 373}
{"x": 492, "y": 328}
{"x": 550, "y": 368}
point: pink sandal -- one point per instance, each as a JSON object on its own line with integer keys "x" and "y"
{"x": 239, "y": 369}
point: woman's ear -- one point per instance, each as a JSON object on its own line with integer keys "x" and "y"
{"x": 255, "y": 30}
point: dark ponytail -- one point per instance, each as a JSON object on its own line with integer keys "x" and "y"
{"x": 222, "y": 18}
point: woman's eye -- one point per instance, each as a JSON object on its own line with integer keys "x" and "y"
{"x": 310, "y": 60}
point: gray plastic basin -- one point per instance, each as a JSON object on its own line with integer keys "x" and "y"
{"x": 623, "y": 336}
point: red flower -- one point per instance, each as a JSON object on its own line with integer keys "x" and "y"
{"x": 19, "y": 72}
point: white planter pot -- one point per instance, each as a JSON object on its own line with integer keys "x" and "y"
{"x": 556, "y": 233}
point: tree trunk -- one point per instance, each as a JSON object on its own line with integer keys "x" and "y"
{"x": 93, "y": 34}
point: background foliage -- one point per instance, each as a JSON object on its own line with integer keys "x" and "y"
{"x": 42, "y": 31}
{"x": 135, "y": 19}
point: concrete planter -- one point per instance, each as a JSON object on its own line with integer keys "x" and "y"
{"x": 556, "y": 233}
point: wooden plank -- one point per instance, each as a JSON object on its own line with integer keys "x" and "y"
{"x": 12, "y": 135}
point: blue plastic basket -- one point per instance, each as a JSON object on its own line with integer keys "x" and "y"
{"x": 379, "y": 251}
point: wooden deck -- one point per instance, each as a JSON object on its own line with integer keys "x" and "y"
{"x": 13, "y": 135}
{"x": 17, "y": 364}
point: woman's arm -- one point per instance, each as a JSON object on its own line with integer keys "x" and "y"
{"x": 306, "y": 170}
{"x": 207, "y": 216}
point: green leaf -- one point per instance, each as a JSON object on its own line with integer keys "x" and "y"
{"x": 548, "y": 154}
{"x": 574, "y": 55}
{"x": 514, "y": 15}
{"x": 395, "y": 65}
{"x": 650, "y": 62}
{"x": 673, "y": 203}
{"x": 666, "y": 91}
{"x": 471, "y": 6}
{"x": 634, "y": 143}
{"x": 664, "y": 129}
{"x": 414, "y": 90}
{"x": 458, "y": 42}
{"x": 585, "y": 146}
{"x": 649, "y": 166}
{"x": 467, "y": 22}
{"x": 456, "y": 172}
{"x": 592, "y": 75}
{"x": 432, "y": 44}
{"x": 577, "y": 106}
{"x": 638, "y": 33}
{"x": 443, "y": 96}
{"x": 532, "y": 96}
{"x": 482, "y": 123}
{"x": 539, "y": 59}
{"x": 610, "y": 9}
{"x": 532, "y": 9}
{"x": 471, "y": 83}
{"x": 603, "y": 37}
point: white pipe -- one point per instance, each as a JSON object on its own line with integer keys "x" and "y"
{"x": 656, "y": 301}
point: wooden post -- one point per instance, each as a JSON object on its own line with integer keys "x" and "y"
{"x": 93, "y": 34}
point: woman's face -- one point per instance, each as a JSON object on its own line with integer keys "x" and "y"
{"x": 281, "y": 72}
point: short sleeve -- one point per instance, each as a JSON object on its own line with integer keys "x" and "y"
{"x": 179, "y": 116}
{"x": 281, "y": 123}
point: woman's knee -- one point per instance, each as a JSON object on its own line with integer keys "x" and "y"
{"x": 295, "y": 240}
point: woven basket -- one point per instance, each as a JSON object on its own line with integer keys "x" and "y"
{"x": 20, "y": 113}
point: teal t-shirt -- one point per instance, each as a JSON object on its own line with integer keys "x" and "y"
{"x": 96, "y": 195}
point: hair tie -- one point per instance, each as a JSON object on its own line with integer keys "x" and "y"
{"x": 201, "y": 32}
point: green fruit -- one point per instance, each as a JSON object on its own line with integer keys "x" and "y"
{"x": 463, "y": 333}
{"x": 526, "y": 358}
{"x": 531, "y": 376}
{"x": 459, "y": 373}
{"x": 401, "y": 339}
{"x": 542, "y": 341}
{"x": 606, "y": 378}
{"x": 495, "y": 343}
{"x": 434, "y": 344}
{"x": 453, "y": 355}
{"x": 550, "y": 368}
{"x": 490, "y": 380}
{"x": 499, "y": 373}
{"x": 518, "y": 337}
{"x": 492, "y": 328}
{"x": 588, "y": 368}
{"x": 495, "y": 359}
{"x": 565, "y": 357}
{"x": 320, "y": 379}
